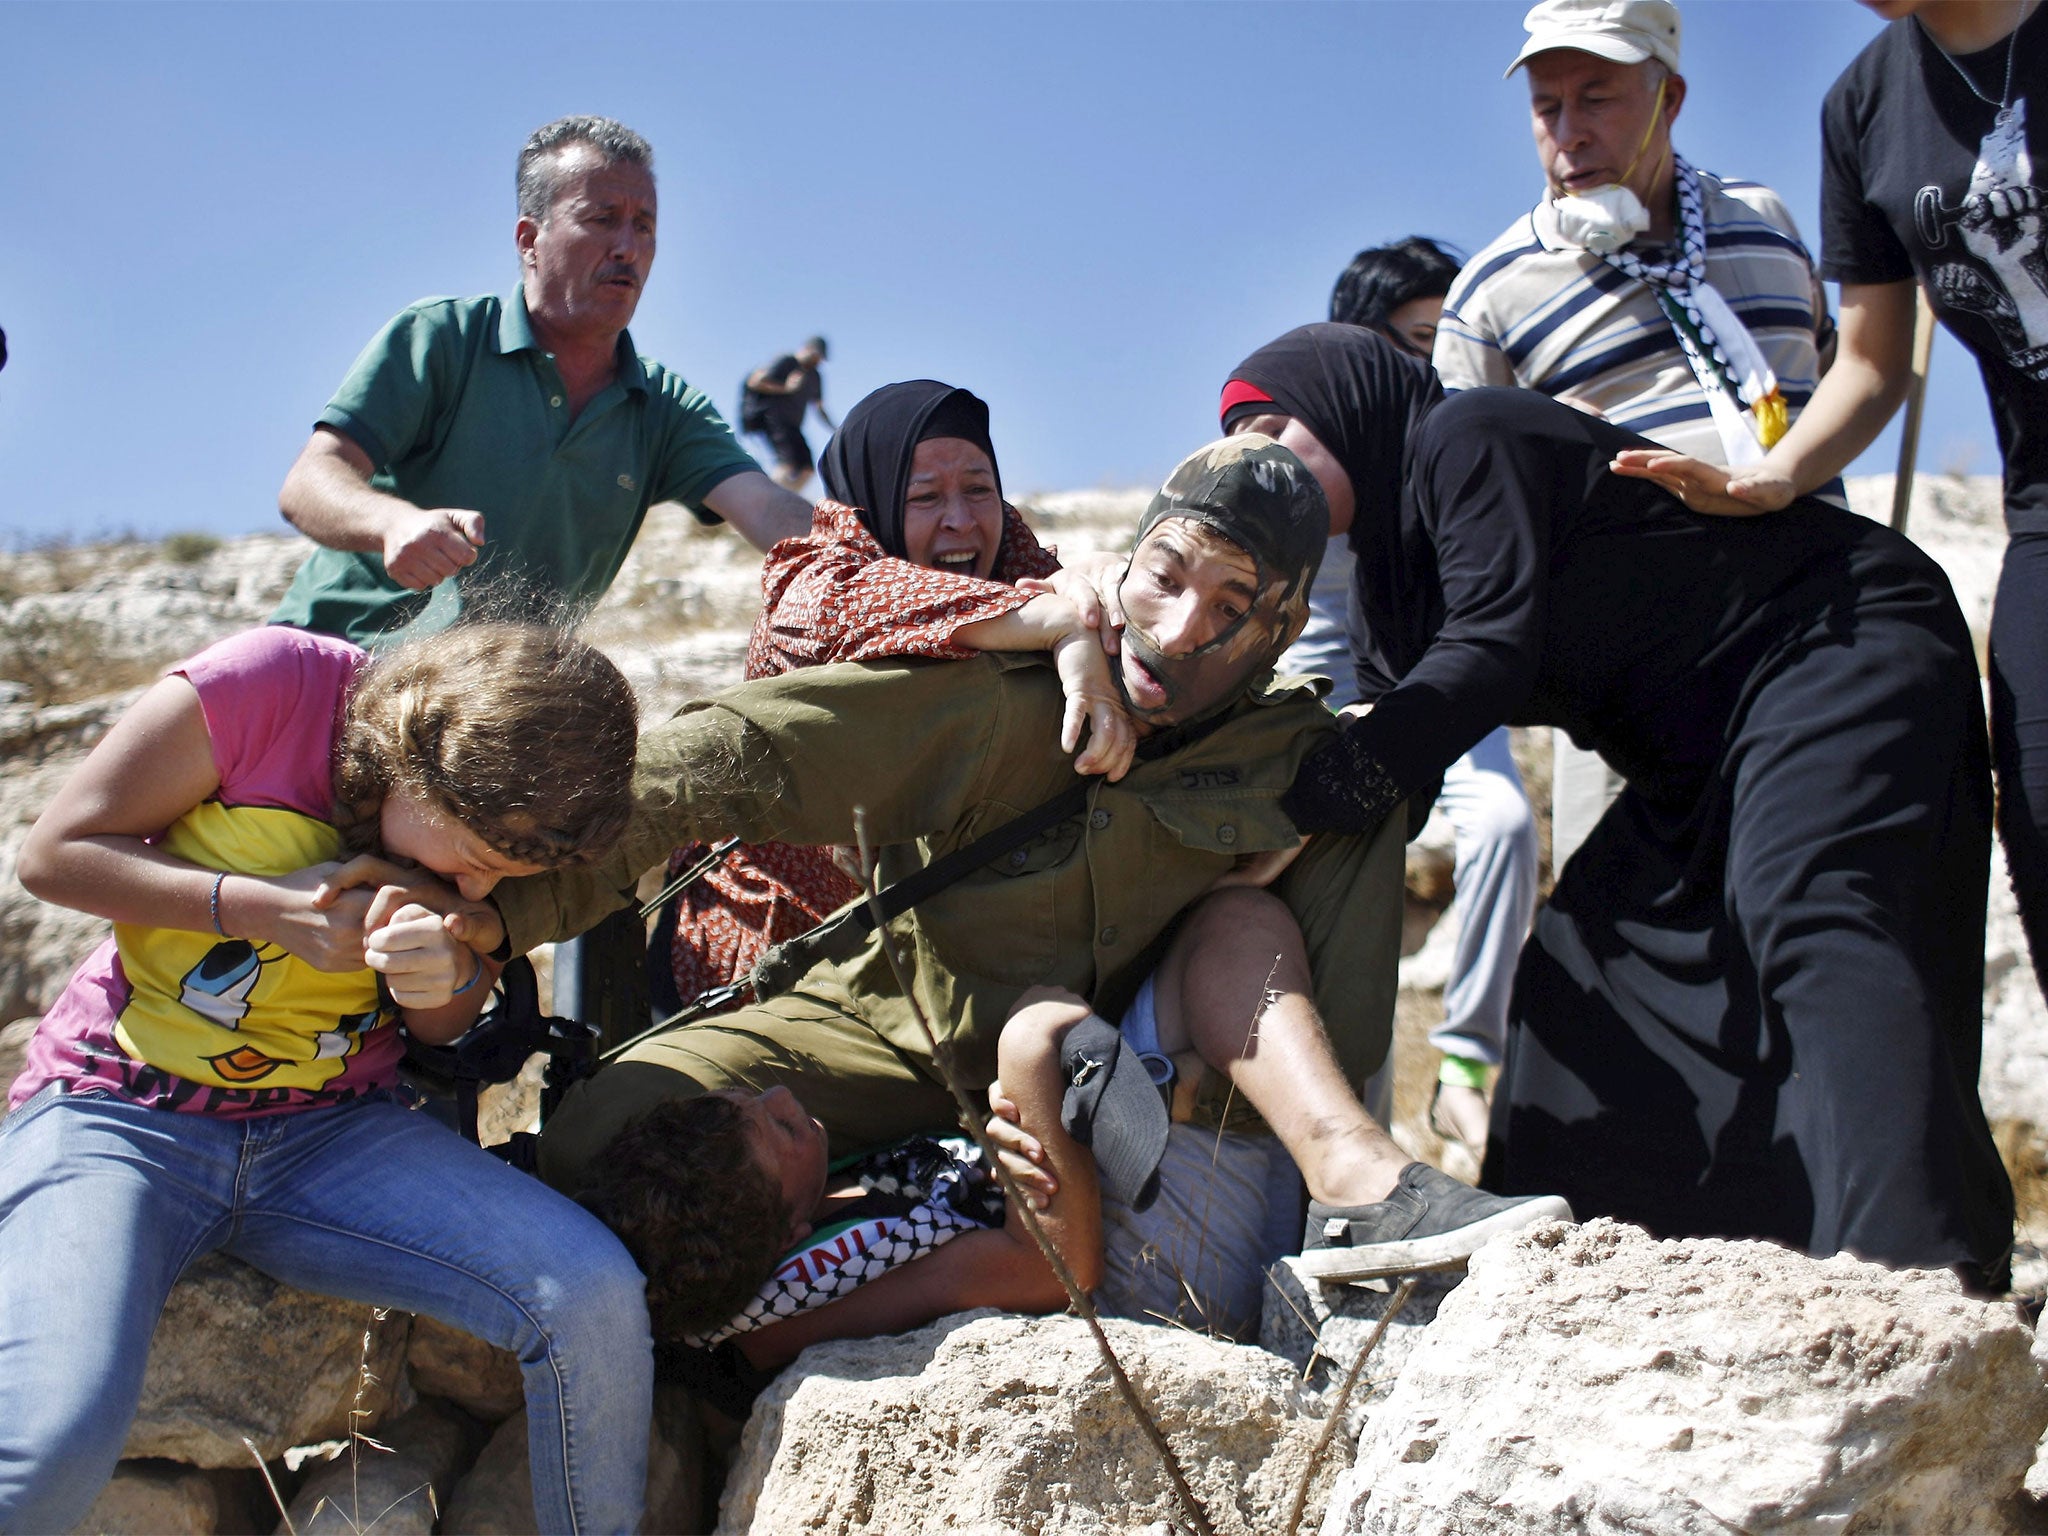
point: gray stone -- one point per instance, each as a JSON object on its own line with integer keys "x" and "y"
{"x": 1321, "y": 1329}
{"x": 237, "y": 1354}
{"x": 40, "y": 945}
{"x": 154, "y": 1498}
{"x": 987, "y": 1421}
{"x": 398, "y": 1482}
{"x": 496, "y": 1497}
{"x": 2013, "y": 1077}
{"x": 1593, "y": 1379}
{"x": 479, "y": 1378}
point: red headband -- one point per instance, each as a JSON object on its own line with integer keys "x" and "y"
{"x": 1238, "y": 394}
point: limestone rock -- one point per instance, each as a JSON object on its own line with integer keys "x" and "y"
{"x": 154, "y": 1498}
{"x": 2013, "y": 1080}
{"x": 479, "y": 1378}
{"x": 1593, "y": 1379}
{"x": 40, "y": 945}
{"x": 992, "y": 1422}
{"x": 496, "y": 1497}
{"x": 398, "y": 1491}
{"x": 237, "y": 1353}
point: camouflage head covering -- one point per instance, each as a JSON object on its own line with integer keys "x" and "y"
{"x": 1260, "y": 497}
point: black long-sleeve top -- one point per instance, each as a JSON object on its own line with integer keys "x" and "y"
{"x": 1514, "y": 578}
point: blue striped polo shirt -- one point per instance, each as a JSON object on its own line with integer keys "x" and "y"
{"x": 1530, "y": 311}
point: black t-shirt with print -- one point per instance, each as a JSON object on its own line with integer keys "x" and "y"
{"x": 1920, "y": 179}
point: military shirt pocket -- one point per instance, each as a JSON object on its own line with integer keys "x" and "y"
{"x": 1229, "y": 825}
{"x": 1001, "y": 922}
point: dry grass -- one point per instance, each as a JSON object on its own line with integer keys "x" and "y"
{"x": 63, "y": 658}
{"x": 48, "y": 566}
{"x": 189, "y": 548}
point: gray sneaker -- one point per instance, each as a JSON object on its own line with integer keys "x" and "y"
{"x": 1430, "y": 1221}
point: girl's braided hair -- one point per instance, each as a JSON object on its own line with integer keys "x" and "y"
{"x": 520, "y": 732}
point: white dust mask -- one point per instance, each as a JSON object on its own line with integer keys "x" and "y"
{"x": 1601, "y": 221}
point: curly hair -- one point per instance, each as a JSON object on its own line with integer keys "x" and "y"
{"x": 520, "y": 732}
{"x": 706, "y": 1224}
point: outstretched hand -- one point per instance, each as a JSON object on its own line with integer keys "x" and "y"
{"x": 1092, "y": 700}
{"x": 1089, "y": 581}
{"x": 1705, "y": 487}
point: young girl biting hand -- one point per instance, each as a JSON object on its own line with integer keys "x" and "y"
{"x": 218, "y": 1074}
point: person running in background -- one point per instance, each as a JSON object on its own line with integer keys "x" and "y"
{"x": 773, "y": 402}
{"x": 1398, "y": 290}
{"x": 219, "y": 1073}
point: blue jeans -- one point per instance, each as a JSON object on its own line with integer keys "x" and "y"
{"x": 103, "y": 1204}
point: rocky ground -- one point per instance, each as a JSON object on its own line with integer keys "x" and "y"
{"x": 1582, "y": 1379}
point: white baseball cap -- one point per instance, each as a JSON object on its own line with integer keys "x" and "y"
{"x": 1626, "y": 31}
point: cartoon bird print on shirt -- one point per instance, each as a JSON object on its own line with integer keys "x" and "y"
{"x": 218, "y": 989}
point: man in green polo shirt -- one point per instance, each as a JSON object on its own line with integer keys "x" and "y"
{"x": 506, "y": 449}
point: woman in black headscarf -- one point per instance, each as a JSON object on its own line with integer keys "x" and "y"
{"x": 913, "y": 552}
{"x": 1753, "y": 1005}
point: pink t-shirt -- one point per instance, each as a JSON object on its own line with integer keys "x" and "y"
{"x": 191, "y": 1021}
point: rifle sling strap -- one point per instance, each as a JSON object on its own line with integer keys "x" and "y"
{"x": 841, "y": 937}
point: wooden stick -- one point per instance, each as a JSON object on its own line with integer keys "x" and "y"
{"x": 971, "y": 1119}
{"x": 1916, "y": 403}
{"x": 1308, "y": 1473}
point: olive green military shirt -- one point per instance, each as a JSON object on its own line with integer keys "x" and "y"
{"x": 941, "y": 753}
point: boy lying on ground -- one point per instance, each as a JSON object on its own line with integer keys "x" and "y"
{"x": 748, "y": 1232}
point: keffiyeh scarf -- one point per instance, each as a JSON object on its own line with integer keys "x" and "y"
{"x": 1741, "y": 389}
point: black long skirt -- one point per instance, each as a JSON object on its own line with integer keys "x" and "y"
{"x": 1756, "y": 1011}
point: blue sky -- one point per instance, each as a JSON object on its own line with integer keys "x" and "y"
{"x": 1084, "y": 212}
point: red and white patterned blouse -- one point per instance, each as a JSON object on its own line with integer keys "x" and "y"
{"x": 832, "y": 595}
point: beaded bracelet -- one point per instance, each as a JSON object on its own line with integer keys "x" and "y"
{"x": 473, "y": 978}
{"x": 213, "y": 904}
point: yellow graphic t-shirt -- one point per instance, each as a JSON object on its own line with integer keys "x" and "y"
{"x": 225, "y": 1026}
{"x": 229, "y": 1012}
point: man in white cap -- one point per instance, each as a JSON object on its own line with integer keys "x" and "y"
{"x": 1674, "y": 302}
